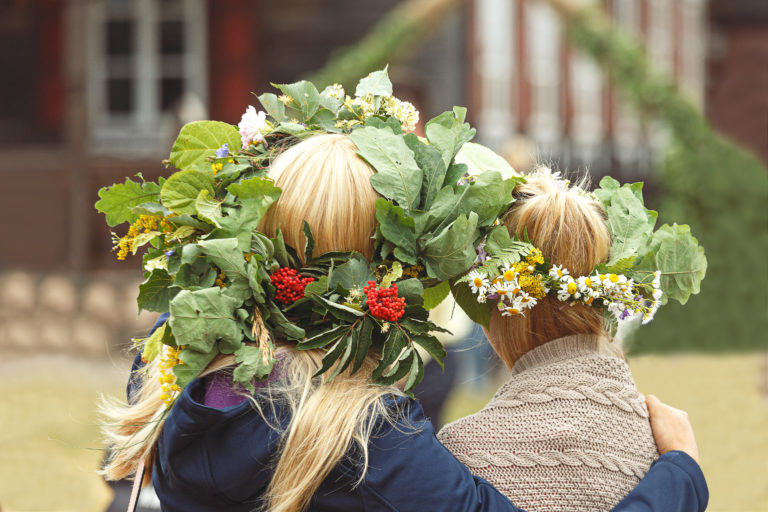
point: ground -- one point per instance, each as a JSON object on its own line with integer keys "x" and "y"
{"x": 51, "y": 448}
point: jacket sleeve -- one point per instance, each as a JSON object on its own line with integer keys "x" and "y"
{"x": 674, "y": 483}
{"x": 409, "y": 470}
{"x": 133, "y": 379}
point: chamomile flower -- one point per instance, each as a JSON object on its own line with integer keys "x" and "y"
{"x": 478, "y": 282}
{"x": 526, "y": 300}
{"x": 500, "y": 287}
{"x": 558, "y": 271}
{"x": 656, "y": 283}
{"x": 568, "y": 289}
{"x": 509, "y": 273}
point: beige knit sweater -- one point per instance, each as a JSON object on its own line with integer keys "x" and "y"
{"x": 568, "y": 432}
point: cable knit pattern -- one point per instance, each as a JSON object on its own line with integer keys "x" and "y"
{"x": 568, "y": 432}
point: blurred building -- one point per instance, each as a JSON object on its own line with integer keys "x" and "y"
{"x": 96, "y": 90}
{"x": 530, "y": 82}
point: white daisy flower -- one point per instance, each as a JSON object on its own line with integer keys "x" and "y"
{"x": 478, "y": 282}
{"x": 568, "y": 289}
{"x": 509, "y": 274}
{"x": 558, "y": 271}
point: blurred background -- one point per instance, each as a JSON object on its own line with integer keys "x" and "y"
{"x": 670, "y": 92}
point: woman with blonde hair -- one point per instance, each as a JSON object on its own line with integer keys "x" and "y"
{"x": 314, "y": 419}
{"x": 569, "y": 430}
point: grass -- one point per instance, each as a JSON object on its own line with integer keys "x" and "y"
{"x": 50, "y": 443}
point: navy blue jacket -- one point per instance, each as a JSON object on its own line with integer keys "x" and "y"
{"x": 210, "y": 459}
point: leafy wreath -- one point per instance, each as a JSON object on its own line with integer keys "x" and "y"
{"x": 230, "y": 289}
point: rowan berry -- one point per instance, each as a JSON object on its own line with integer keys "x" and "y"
{"x": 384, "y": 303}
{"x": 289, "y": 284}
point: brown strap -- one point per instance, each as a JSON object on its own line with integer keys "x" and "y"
{"x": 138, "y": 479}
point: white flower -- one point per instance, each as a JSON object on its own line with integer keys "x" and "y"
{"x": 558, "y": 271}
{"x": 509, "y": 274}
{"x": 657, "y": 294}
{"x": 585, "y": 284}
{"x": 155, "y": 263}
{"x": 478, "y": 282}
{"x": 253, "y": 126}
{"x": 515, "y": 309}
{"x": 526, "y": 301}
{"x": 500, "y": 287}
{"x": 568, "y": 289}
{"x": 656, "y": 283}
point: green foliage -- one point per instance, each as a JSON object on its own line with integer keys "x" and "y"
{"x": 707, "y": 181}
{"x": 117, "y": 201}
{"x": 397, "y": 174}
{"x": 180, "y": 191}
{"x": 479, "y": 158}
{"x": 156, "y": 292}
{"x": 199, "y": 140}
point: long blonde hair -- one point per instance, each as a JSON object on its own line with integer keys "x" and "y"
{"x": 327, "y": 184}
{"x": 570, "y": 229}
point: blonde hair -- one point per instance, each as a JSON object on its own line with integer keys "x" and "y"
{"x": 326, "y": 183}
{"x": 570, "y": 228}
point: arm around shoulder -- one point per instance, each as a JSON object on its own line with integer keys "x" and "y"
{"x": 674, "y": 483}
{"x": 410, "y": 470}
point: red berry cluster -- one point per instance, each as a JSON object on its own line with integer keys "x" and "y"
{"x": 384, "y": 302}
{"x": 290, "y": 285}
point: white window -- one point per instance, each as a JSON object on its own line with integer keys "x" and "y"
{"x": 626, "y": 127}
{"x": 587, "y": 130}
{"x": 692, "y": 76}
{"x": 146, "y": 65}
{"x": 496, "y": 27}
{"x": 660, "y": 34}
{"x": 543, "y": 38}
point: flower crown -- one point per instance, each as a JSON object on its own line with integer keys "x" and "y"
{"x": 645, "y": 268}
{"x": 230, "y": 289}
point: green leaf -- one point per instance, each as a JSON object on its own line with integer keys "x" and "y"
{"x": 433, "y": 347}
{"x": 355, "y": 272}
{"x": 324, "y": 337}
{"x": 253, "y": 363}
{"x": 226, "y": 254}
{"x": 118, "y": 200}
{"x": 452, "y": 251}
{"x": 622, "y": 266}
{"x": 200, "y": 318}
{"x": 152, "y": 209}
{"x": 329, "y": 102}
{"x": 630, "y": 223}
{"x": 416, "y": 372}
{"x": 397, "y": 175}
{"x": 199, "y": 140}
{"x": 435, "y": 295}
{"x": 295, "y": 129}
{"x": 143, "y": 239}
{"x": 153, "y": 345}
{"x": 340, "y": 311}
{"x": 309, "y": 246}
{"x": 677, "y": 254}
{"x": 467, "y": 301}
{"x": 180, "y": 191}
{"x": 479, "y": 158}
{"x": 376, "y": 83}
{"x": 488, "y": 196}
{"x": 448, "y": 132}
{"x": 366, "y": 340}
{"x": 352, "y": 341}
{"x": 431, "y": 162}
{"x": 194, "y": 363}
{"x": 411, "y": 290}
{"x": 398, "y": 228}
{"x": 255, "y": 188}
{"x": 332, "y": 355}
{"x": 399, "y": 369}
{"x": 390, "y": 122}
{"x": 305, "y": 97}
{"x": 208, "y": 209}
{"x": 281, "y": 326}
{"x": 156, "y": 292}
{"x": 274, "y": 107}
{"x": 393, "y": 346}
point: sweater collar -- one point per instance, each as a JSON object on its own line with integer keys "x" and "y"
{"x": 567, "y": 347}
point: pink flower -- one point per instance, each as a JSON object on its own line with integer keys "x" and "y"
{"x": 253, "y": 126}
